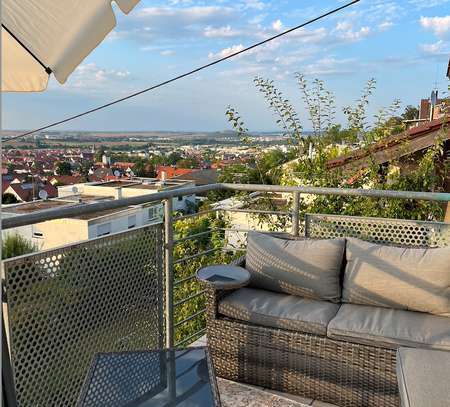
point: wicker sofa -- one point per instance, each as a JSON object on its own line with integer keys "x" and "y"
{"x": 336, "y": 369}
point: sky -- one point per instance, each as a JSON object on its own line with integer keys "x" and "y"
{"x": 404, "y": 45}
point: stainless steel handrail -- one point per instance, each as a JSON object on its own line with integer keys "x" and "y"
{"x": 81, "y": 209}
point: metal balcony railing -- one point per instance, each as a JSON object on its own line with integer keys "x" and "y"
{"x": 133, "y": 289}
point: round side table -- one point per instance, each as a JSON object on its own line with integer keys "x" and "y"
{"x": 224, "y": 277}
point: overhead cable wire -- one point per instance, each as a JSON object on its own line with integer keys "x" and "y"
{"x": 184, "y": 75}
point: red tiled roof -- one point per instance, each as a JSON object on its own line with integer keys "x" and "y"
{"x": 23, "y": 194}
{"x": 5, "y": 185}
{"x": 123, "y": 165}
{"x": 27, "y": 194}
{"x": 114, "y": 178}
{"x": 172, "y": 171}
{"x": 50, "y": 189}
{"x": 66, "y": 179}
{"x": 227, "y": 162}
{"x": 388, "y": 143}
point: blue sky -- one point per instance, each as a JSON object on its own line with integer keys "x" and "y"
{"x": 405, "y": 45}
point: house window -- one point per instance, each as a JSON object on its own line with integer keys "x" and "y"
{"x": 103, "y": 230}
{"x": 180, "y": 198}
{"x": 131, "y": 221}
{"x": 38, "y": 235}
{"x": 152, "y": 212}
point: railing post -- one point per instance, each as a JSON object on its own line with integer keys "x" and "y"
{"x": 296, "y": 214}
{"x": 9, "y": 398}
{"x": 168, "y": 270}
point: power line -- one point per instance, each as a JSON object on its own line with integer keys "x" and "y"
{"x": 132, "y": 95}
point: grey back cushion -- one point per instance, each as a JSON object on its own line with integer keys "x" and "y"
{"x": 307, "y": 268}
{"x": 403, "y": 278}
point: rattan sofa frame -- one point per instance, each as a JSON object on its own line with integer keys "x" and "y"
{"x": 339, "y": 372}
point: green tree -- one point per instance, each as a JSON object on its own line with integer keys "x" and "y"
{"x": 63, "y": 168}
{"x": 337, "y": 135}
{"x": 157, "y": 159}
{"x": 9, "y": 198}
{"x": 143, "y": 168}
{"x": 184, "y": 270}
{"x": 188, "y": 162}
{"x": 239, "y": 174}
{"x": 270, "y": 164}
{"x": 16, "y": 245}
{"x": 311, "y": 168}
{"x": 410, "y": 113}
{"x": 173, "y": 158}
{"x": 100, "y": 151}
{"x": 85, "y": 168}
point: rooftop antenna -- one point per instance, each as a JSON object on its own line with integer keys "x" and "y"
{"x": 434, "y": 99}
{"x": 43, "y": 194}
{"x": 75, "y": 192}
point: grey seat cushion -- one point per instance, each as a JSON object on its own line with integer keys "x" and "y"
{"x": 403, "y": 278}
{"x": 308, "y": 268}
{"x": 423, "y": 377}
{"x": 277, "y": 310}
{"x": 390, "y": 328}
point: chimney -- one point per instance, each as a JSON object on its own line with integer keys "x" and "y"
{"x": 118, "y": 194}
{"x": 163, "y": 176}
{"x": 425, "y": 107}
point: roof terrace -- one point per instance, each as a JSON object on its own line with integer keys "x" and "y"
{"x": 142, "y": 283}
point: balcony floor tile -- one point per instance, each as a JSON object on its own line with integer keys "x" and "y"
{"x": 234, "y": 394}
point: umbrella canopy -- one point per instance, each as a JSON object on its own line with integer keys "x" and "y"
{"x": 40, "y": 37}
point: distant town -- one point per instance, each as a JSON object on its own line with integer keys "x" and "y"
{"x": 67, "y": 168}
{"x": 46, "y": 161}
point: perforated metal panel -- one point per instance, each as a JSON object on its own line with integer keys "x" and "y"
{"x": 379, "y": 230}
{"x": 118, "y": 379}
{"x": 68, "y": 303}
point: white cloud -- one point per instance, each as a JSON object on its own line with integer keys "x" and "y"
{"x": 258, "y": 19}
{"x": 220, "y": 32}
{"x": 437, "y": 48}
{"x": 353, "y": 36}
{"x": 344, "y": 26}
{"x": 243, "y": 71}
{"x": 293, "y": 59}
{"x": 330, "y": 66}
{"x": 151, "y": 24}
{"x": 385, "y": 25}
{"x": 440, "y": 26}
{"x": 421, "y": 4}
{"x": 180, "y": 2}
{"x": 315, "y": 36}
{"x": 167, "y": 53}
{"x": 277, "y": 25}
{"x": 90, "y": 78}
{"x": 226, "y": 51}
{"x": 254, "y": 4}
{"x": 190, "y": 14}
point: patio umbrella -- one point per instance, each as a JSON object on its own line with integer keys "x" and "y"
{"x": 41, "y": 37}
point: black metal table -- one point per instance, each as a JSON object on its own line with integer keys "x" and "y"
{"x": 162, "y": 378}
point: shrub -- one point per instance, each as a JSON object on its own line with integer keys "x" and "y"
{"x": 16, "y": 245}
{"x": 8, "y": 198}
